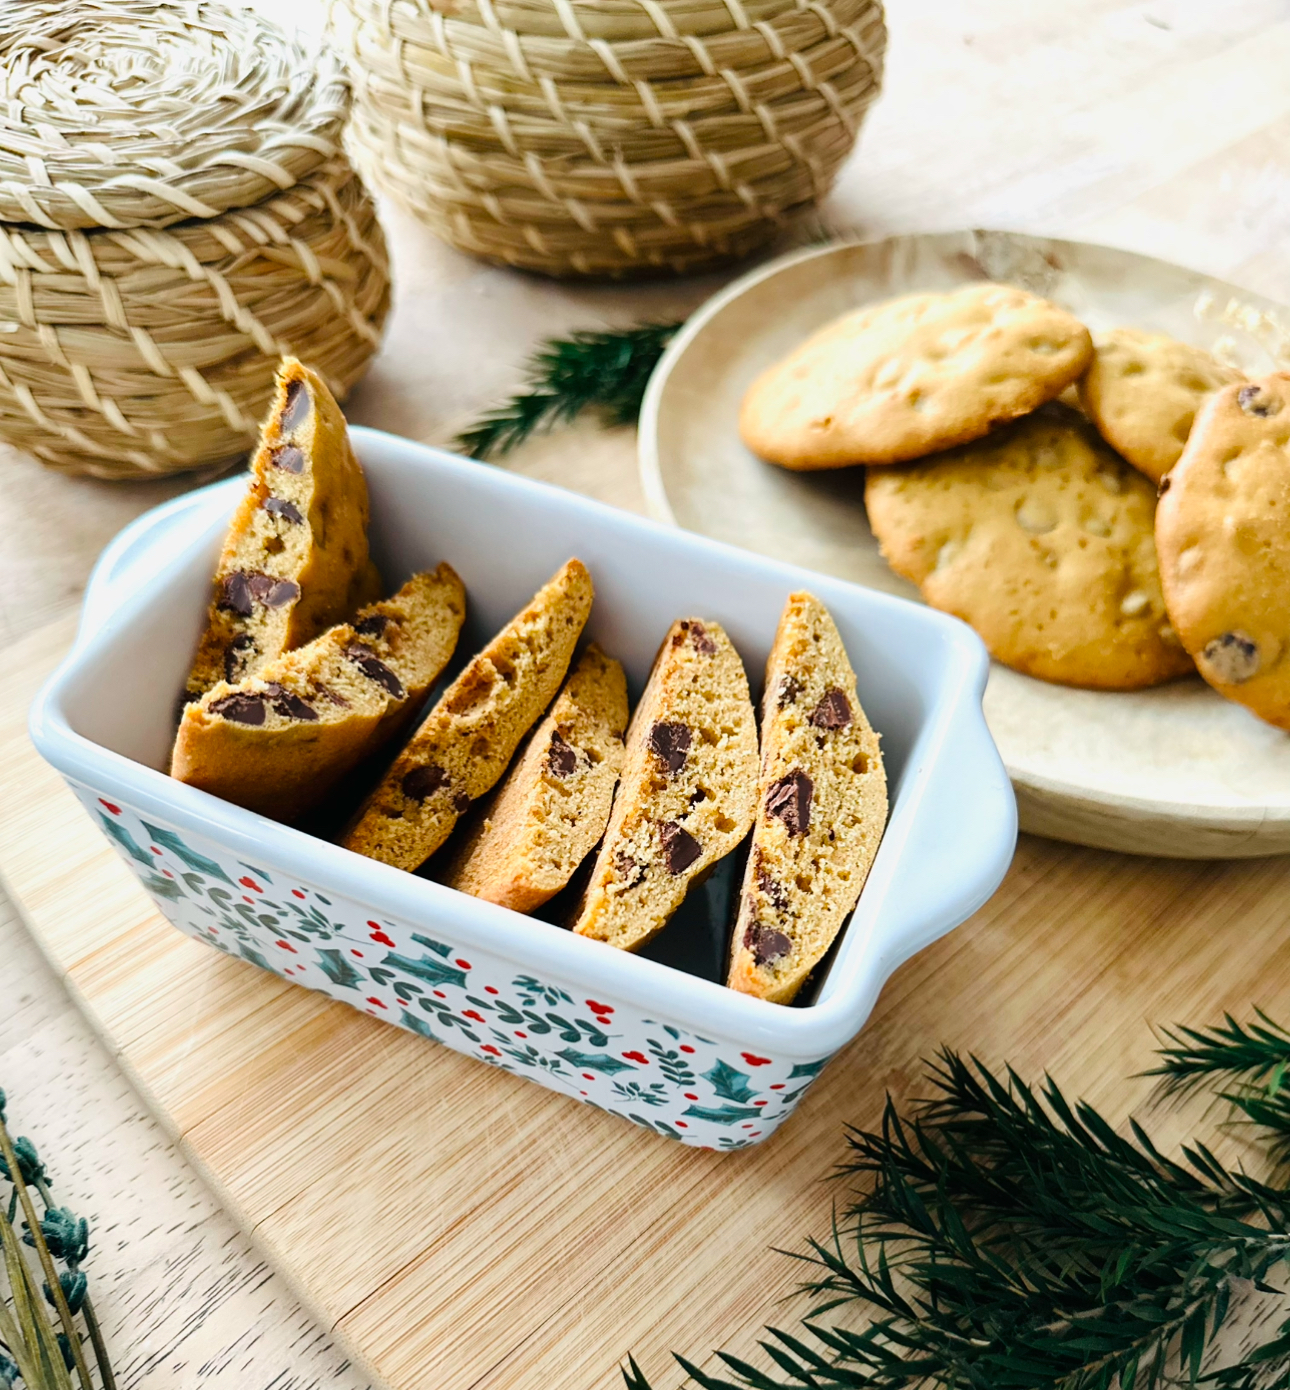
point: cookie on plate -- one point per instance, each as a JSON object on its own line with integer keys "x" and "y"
{"x": 821, "y": 808}
{"x": 466, "y": 741}
{"x": 687, "y": 790}
{"x": 1142, "y": 391}
{"x": 897, "y": 380}
{"x": 1043, "y": 540}
{"x": 1223, "y": 532}
{"x": 553, "y": 806}
{"x": 277, "y": 741}
{"x": 295, "y": 559}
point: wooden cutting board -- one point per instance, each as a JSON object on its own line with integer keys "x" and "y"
{"x": 459, "y": 1227}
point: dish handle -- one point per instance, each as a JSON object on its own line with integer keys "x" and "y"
{"x": 134, "y": 555}
{"x": 962, "y": 843}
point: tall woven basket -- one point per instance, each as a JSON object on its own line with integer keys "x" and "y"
{"x": 606, "y": 137}
{"x": 177, "y": 213}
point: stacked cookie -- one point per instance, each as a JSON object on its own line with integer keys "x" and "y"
{"x": 525, "y": 769}
{"x": 1035, "y": 518}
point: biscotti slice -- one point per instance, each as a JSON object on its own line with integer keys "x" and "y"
{"x": 821, "y": 809}
{"x": 687, "y": 790}
{"x": 552, "y": 809}
{"x": 277, "y": 741}
{"x": 467, "y": 740}
{"x": 295, "y": 559}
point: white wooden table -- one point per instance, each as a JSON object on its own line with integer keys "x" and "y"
{"x": 1161, "y": 126}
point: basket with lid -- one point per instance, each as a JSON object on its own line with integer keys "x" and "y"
{"x": 176, "y": 213}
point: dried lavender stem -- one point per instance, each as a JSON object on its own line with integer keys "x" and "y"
{"x": 46, "y": 1259}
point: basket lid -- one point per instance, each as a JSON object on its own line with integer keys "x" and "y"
{"x": 133, "y": 113}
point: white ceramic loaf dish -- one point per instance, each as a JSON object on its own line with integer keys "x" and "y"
{"x": 678, "y": 1054}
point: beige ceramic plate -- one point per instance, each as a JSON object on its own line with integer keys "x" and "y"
{"x": 1174, "y": 771}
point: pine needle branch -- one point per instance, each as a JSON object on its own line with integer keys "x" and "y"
{"x": 1254, "y": 1054}
{"x": 998, "y": 1236}
{"x": 589, "y": 370}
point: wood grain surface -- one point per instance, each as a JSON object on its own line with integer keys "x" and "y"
{"x": 1158, "y": 125}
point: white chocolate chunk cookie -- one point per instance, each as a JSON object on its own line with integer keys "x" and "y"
{"x": 466, "y": 741}
{"x": 897, "y": 380}
{"x": 1043, "y": 540}
{"x": 1142, "y": 391}
{"x": 277, "y": 741}
{"x": 295, "y": 559}
{"x": 1223, "y": 531}
{"x": 554, "y": 804}
{"x": 687, "y": 790}
{"x": 821, "y": 809}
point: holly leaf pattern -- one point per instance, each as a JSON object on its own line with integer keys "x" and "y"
{"x": 417, "y": 1025}
{"x": 594, "y": 1061}
{"x": 434, "y": 972}
{"x": 169, "y": 840}
{"x": 726, "y": 1115}
{"x": 162, "y": 887}
{"x": 728, "y": 1083}
{"x": 338, "y": 970}
{"x": 127, "y": 841}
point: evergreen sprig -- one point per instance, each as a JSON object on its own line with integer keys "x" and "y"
{"x": 998, "y": 1237}
{"x": 1251, "y": 1059}
{"x": 589, "y": 370}
{"x": 37, "y": 1351}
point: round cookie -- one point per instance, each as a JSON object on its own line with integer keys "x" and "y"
{"x": 905, "y": 378}
{"x": 1223, "y": 532}
{"x": 1042, "y": 539}
{"x": 1142, "y": 391}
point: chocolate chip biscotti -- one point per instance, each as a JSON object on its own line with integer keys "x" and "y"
{"x": 552, "y": 809}
{"x": 821, "y": 809}
{"x": 277, "y": 741}
{"x": 295, "y": 559}
{"x": 687, "y": 790}
{"x": 466, "y": 741}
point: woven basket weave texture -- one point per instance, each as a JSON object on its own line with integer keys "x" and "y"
{"x": 606, "y": 137}
{"x": 178, "y": 213}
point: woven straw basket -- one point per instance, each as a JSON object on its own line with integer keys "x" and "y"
{"x": 177, "y": 214}
{"x": 605, "y": 137}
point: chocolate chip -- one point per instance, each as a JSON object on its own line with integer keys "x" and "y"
{"x": 333, "y": 697}
{"x": 296, "y": 410}
{"x": 1255, "y": 401}
{"x": 288, "y": 704}
{"x": 630, "y": 870}
{"x": 1232, "y": 658}
{"x": 789, "y": 799}
{"x": 766, "y": 944}
{"x": 273, "y": 593}
{"x": 288, "y": 458}
{"x": 236, "y": 656}
{"x": 702, "y": 642}
{"x": 561, "y": 759}
{"x": 696, "y": 630}
{"x": 680, "y": 848}
{"x": 375, "y": 669}
{"x": 771, "y": 887}
{"x": 1165, "y": 484}
{"x": 240, "y": 708}
{"x": 789, "y": 689}
{"x": 833, "y": 711}
{"x": 670, "y": 742}
{"x": 422, "y": 782}
{"x": 279, "y": 506}
{"x": 460, "y": 801}
{"x": 373, "y": 625}
{"x": 235, "y": 594}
